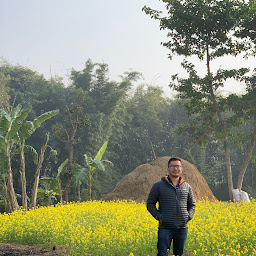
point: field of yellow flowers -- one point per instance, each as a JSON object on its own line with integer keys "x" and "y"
{"x": 126, "y": 228}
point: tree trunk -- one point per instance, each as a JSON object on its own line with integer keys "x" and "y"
{"x": 153, "y": 151}
{"x": 247, "y": 157}
{"x": 79, "y": 192}
{"x": 67, "y": 187}
{"x": 23, "y": 179}
{"x": 89, "y": 187}
{"x": 6, "y": 201}
{"x": 224, "y": 130}
{"x": 37, "y": 175}
{"x": 229, "y": 170}
{"x": 69, "y": 174}
{"x": 226, "y": 149}
{"x": 14, "y": 206}
{"x": 60, "y": 190}
{"x": 70, "y": 140}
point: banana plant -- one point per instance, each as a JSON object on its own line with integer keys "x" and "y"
{"x": 86, "y": 172}
{"x": 60, "y": 169}
{"x": 9, "y": 127}
{"x": 52, "y": 187}
{"x": 3, "y": 176}
{"x": 15, "y": 130}
{"x": 39, "y": 167}
{"x": 47, "y": 195}
{"x": 27, "y": 129}
{"x": 3, "y": 190}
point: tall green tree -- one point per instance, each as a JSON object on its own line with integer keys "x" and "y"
{"x": 104, "y": 104}
{"x": 247, "y": 112}
{"x": 4, "y": 95}
{"x": 150, "y": 122}
{"x": 206, "y": 29}
{"x": 146, "y": 107}
{"x": 247, "y": 30}
{"x": 83, "y": 79}
{"x": 76, "y": 120}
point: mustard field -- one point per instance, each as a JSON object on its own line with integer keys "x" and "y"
{"x": 122, "y": 228}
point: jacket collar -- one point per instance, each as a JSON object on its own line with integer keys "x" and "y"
{"x": 168, "y": 179}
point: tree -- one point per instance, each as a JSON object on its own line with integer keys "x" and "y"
{"x": 83, "y": 79}
{"x": 9, "y": 127}
{"x": 52, "y": 187}
{"x": 146, "y": 107}
{"x": 247, "y": 111}
{"x": 15, "y": 130}
{"x": 39, "y": 168}
{"x": 246, "y": 30}
{"x": 206, "y": 29}
{"x": 149, "y": 124}
{"x": 4, "y": 95}
{"x": 105, "y": 105}
{"x": 27, "y": 129}
{"x": 77, "y": 120}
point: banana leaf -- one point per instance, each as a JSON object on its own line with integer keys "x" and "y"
{"x": 28, "y": 128}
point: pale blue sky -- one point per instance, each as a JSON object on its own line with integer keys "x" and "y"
{"x": 52, "y": 36}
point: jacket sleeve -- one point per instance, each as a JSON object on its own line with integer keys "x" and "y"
{"x": 191, "y": 204}
{"x": 153, "y": 198}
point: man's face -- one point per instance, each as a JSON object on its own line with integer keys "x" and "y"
{"x": 175, "y": 169}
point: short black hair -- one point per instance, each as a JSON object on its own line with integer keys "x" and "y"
{"x": 173, "y": 159}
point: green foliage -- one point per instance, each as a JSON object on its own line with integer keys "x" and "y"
{"x": 61, "y": 167}
{"x": 29, "y": 150}
{"x": 76, "y": 119}
{"x": 28, "y": 127}
{"x": 52, "y": 187}
{"x": 10, "y": 125}
{"x": 208, "y": 30}
{"x": 4, "y": 92}
{"x": 83, "y": 79}
{"x": 15, "y": 130}
{"x": 194, "y": 25}
{"x": 91, "y": 165}
{"x": 46, "y": 197}
{"x": 138, "y": 124}
{"x": 247, "y": 30}
{"x": 100, "y": 153}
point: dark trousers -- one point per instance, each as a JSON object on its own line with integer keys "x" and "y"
{"x": 165, "y": 238}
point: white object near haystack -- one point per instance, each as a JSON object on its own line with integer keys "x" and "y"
{"x": 240, "y": 196}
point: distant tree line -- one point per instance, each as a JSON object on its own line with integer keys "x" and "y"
{"x": 140, "y": 126}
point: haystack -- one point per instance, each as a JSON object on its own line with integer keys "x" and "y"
{"x": 137, "y": 184}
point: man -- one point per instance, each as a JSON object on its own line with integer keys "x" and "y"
{"x": 176, "y": 208}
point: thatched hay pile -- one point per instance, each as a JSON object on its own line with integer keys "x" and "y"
{"x": 137, "y": 184}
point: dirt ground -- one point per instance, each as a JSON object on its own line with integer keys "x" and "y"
{"x": 22, "y": 250}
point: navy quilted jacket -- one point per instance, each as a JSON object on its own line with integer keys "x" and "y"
{"x": 176, "y": 205}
